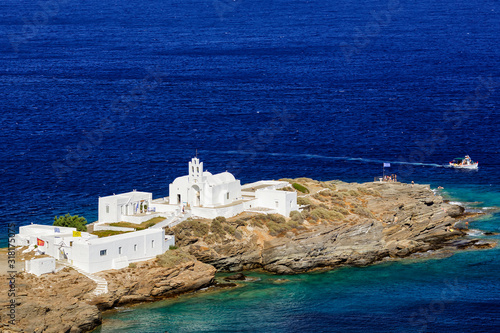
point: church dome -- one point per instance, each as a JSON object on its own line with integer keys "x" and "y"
{"x": 221, "y": 178}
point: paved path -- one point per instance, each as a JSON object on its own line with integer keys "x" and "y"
{"x": 102, "y": 284}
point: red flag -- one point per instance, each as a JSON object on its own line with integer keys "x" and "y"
{"x": 40, "y": 242}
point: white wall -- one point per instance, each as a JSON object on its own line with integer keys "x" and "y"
{"x": 218, "y": 194}
{"x": 179, "y": 186}
{"x": 136, "y": 246}
{"x": 112, "y": 208}
{"x": 282, "y": 201}
{"x": 211, "y": 213}
{"x": 40, "y": 266}
{"x": 138, "y": 219}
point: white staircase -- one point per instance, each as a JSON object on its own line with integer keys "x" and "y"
{"x": 102, "y": 284}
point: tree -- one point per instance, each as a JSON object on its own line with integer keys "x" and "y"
{"x": 75, "y": 221}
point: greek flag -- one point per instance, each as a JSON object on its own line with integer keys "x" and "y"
{"x": 387, "y": 165}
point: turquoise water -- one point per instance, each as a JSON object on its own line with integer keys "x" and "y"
{"x": 460, "y": 293}
{"x": 102, "y": 97}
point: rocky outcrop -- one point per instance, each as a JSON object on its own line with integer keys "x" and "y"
{"x": 379, "y": 221}
{"x": 64, "y": 302}
{"x": 341, "y": 224}
{"x": 149, "y": 281}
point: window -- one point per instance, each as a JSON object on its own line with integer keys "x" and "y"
{"x": 120, "y": 250}
{"x": 103, "y": 252}
{"x": 227, "y": 196}
{"x": 192, "y": 168}
{"x": 71, "y": 243}
{"x": 277, "y": 204}
{"x": 198, "y": 169}
{"x": 152, "y": 243}
{"x": 135, "y": 247}
{"x": 107, "y": 209}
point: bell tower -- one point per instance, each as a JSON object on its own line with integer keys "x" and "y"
{"x": 195, "y": 170}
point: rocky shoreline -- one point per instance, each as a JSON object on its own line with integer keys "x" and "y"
{"x": 341, "y": 224}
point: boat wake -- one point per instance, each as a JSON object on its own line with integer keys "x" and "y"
{"x": 333, "y": 158}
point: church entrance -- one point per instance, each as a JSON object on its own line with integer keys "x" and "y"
{"x": 196, "y": 196}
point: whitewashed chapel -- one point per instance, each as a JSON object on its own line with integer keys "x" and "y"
{"x": 197, "y": 194}
{"x": 200, "y": 194}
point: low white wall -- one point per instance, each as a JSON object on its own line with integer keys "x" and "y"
{"x": 169, "y": 241}
{"x": 40, "y": 266}
{"x": 282, "y": 201}
{"x": 140, "y": 219}
{"x": 211, "y": 213}
{"x": 98, "y": 227}
{"x": 163, "y": 208}
{"x": 136, "y": 246}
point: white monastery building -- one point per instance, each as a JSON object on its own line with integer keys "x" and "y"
{"x": 197, "y": 194}
{"x": 90, "y": 253}
{"x": 119, "y": 207}
{"x": 200, "y": 194}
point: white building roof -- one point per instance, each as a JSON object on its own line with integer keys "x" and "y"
{"x": 44, "y": 230}
{"x": 221, "y": 178}
{"x": 128, "y": 235}
{"x": 129, "y": 196}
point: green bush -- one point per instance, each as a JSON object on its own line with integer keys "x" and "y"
{"x": 322, "y": 213}
{"x": 339, "y": 203}
{"x": 240, "y": 223}
{"x": 319, "y": 197}
{"x": 216, "y": 226}
{"x": 328, "y": 185}
{"x": 277, "y": 228}
{"x": 229, "y": 229}
{"x": 340, "y": 210}
{"x": 303, "y": 201}
{"x": 72, "y": 221}
{"x": 173, "y": 247}
{"x": 192, "y": 227}
{"x": 300, "y": 188}
{"x": 292, "y": 224}
{"x": 297, "y": 217}
{"x": 338, "y": 195}
{"x": 368, "y": 191}
{"x": 107, "y": 233}
{"x": 363, "y": 212}
{"x": 173, "y": 258}
{"x": 326, "y": 193}
{"x": 353, "y": 193}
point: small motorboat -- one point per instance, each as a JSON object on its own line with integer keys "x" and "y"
{"x": 464, "y": 163}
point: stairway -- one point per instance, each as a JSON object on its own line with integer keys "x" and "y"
{"x": 102, "y": 284}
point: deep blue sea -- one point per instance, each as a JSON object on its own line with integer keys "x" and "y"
{"x": 102, "y": 97}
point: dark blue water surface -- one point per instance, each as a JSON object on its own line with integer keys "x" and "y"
{"x": 102, "y": 97}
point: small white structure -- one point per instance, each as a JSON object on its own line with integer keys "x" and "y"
{"x": 90, "y": 253}
{"x": 29, "y": 234}
{"x": 40, "y": 266}
{"x": 128, "y": 207}
{"x": 202, "y": 189}
{"x": 115, "y": 252}
{"x": 203, "y": 195}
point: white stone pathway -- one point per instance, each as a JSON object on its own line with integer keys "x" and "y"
{"x": 102, "y": 284}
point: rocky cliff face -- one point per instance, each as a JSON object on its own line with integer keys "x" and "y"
{"x": 63, "y": 302}
{"x": 344, "y": 224}
{"x": 341, "y": 224}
